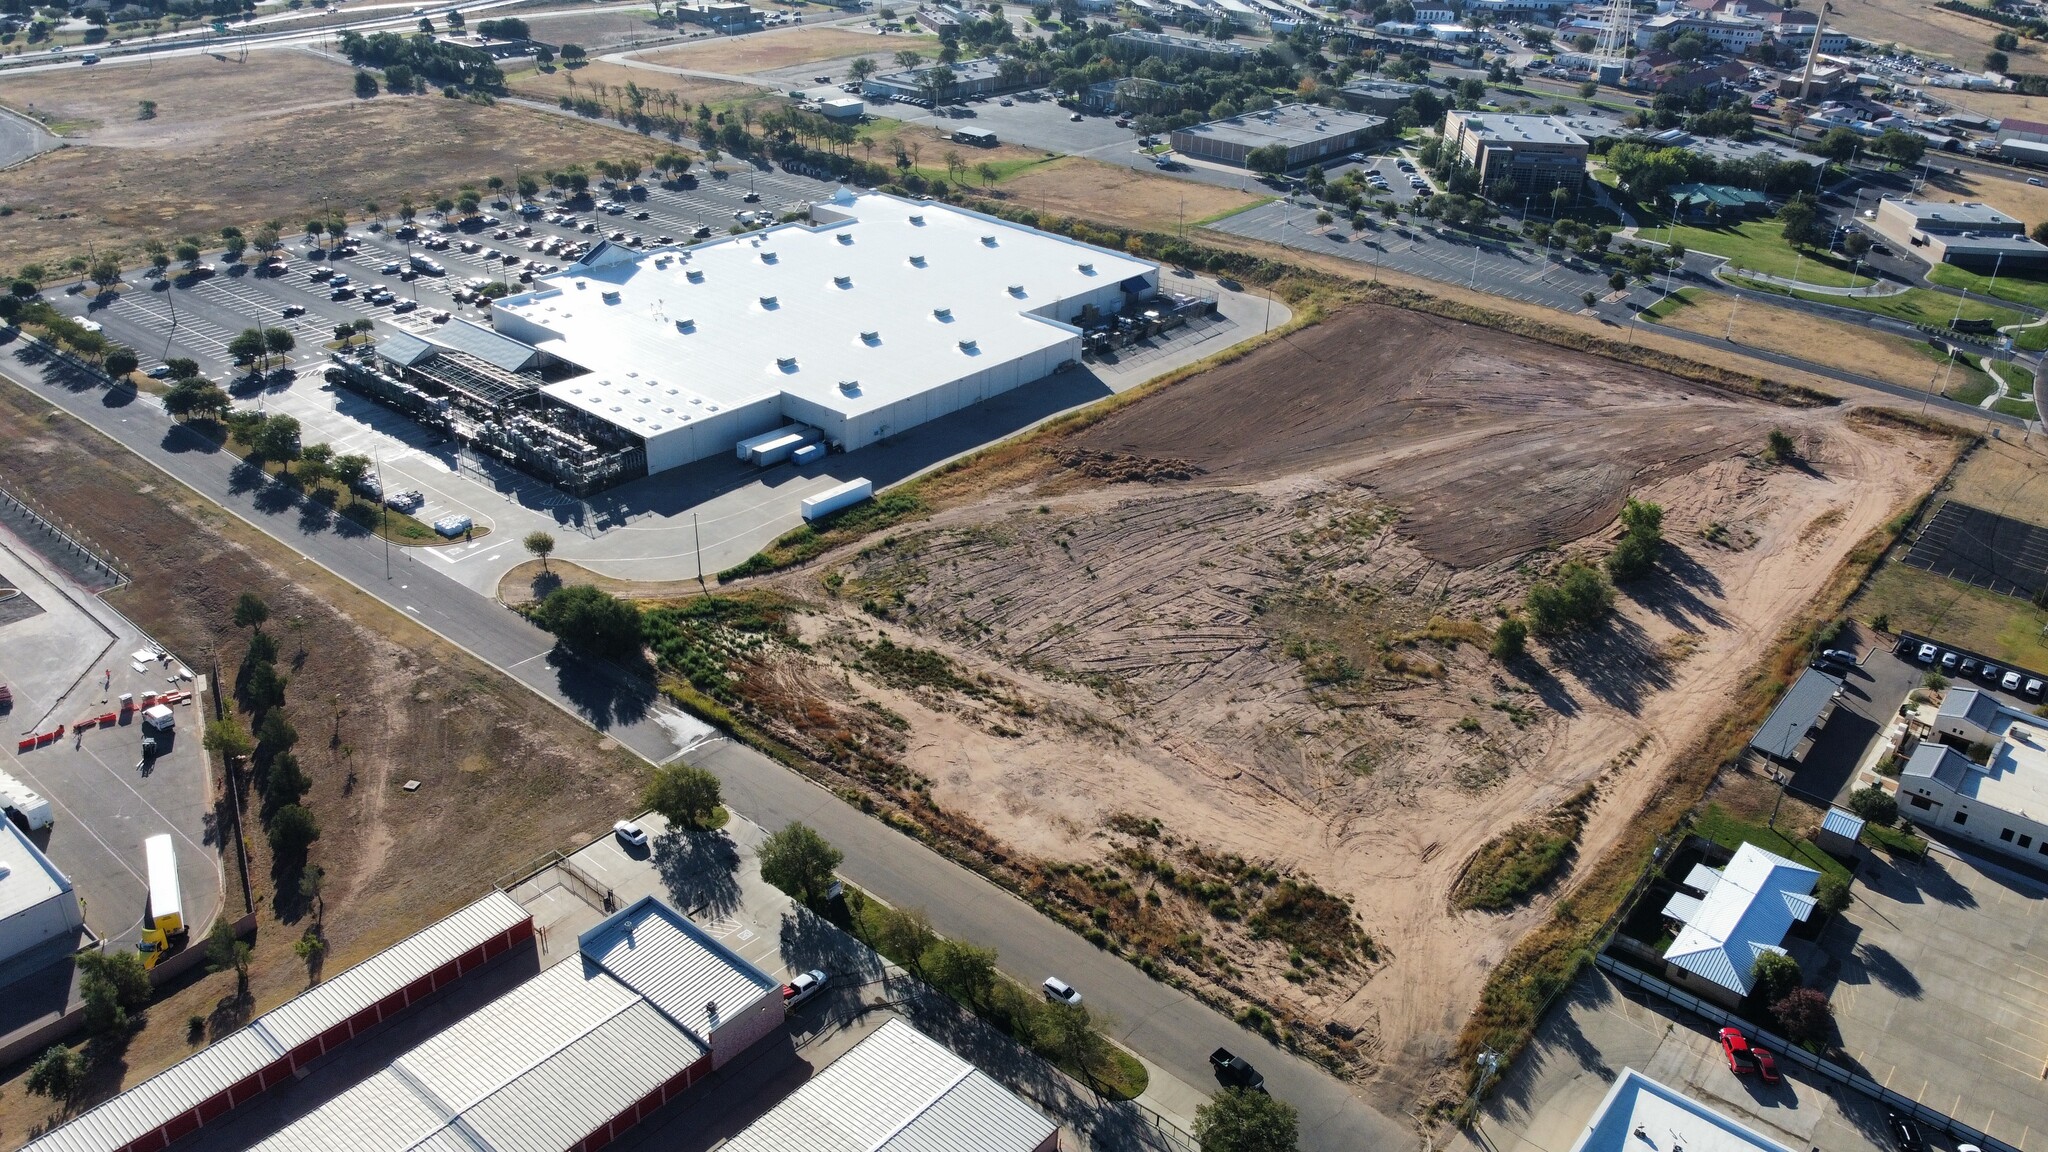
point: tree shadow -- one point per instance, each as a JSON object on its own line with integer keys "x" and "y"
{"x": 1886, "y": 969}
{"x": 1554, "y": 693}
{"x": 603, "y": 693}
{"x": 1928, "y": 879}
{"x": 205, "y": 435}
{"x": 229, "y": 1014}
{"x": 545, "y": 583}
{"x": 808, "y": 940}
{"x": 699, "y": 869}
{"x": 247, "y": 476}
{"x": 1616, "y": 662}
{"x": 316, "y": 515}
{"x": 276, "y": 497}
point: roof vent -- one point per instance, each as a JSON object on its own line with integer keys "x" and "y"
{"x": 786, "y": 363}
{"x": 850, "y": 387}
{"x": 581, "y": 284}
{"x": 1016, "y": 290}
{"x": 871, "y": 337}
{"x": 767, "y": 257}
{"x": 917, "y": 220}
{"x": 1087, "y": 269}
{"x": 695, "y": 275}
{"x": 767, "y": 301}
{"x": 917, "y": 261}
{"x": 846, "y": 237}
{"x": 842, "y": 281}
{"x": 989, "y": 240}
{"x": 942, "y": 314}
{"x": 685, "y": 325}
{"x": 969, "y": 347}
{"x": 611, "y": 296}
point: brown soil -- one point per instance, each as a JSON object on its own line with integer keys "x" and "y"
{"x": 598, "y": 80}
{"x": 1282, "y": 660}
{"x": 782, "y": 47}
{"x": 288, "y": 148}
{"x": 1919, "y": 25}
{"x": 1078, "y": 187}
{"x": 376, "y": 701}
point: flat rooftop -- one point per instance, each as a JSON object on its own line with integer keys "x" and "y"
{"x": 30, "y": 878}
{"x": 1184, "y": 43}
{"x": 1506, "y": 128}
{"x": 882, "y": 299}
{"x": 1673, "y": 1120}
{"x": 2016, "y": 780}
{"x": 1965, "y": 215}
{"x": 1288, "y": 125}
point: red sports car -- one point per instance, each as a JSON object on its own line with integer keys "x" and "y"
{"x": 1735, "y": 1046}
{"x": 1766, "y": 1065}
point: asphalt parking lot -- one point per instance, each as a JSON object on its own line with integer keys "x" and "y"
{"x": 1871, "y": 694}
{"x": 71, "y": 661}
{"x": 1941, "y": 989}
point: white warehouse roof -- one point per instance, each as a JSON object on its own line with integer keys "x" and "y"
{"x": 1637, "y": 1105}
{"x": 895, "y": 297}
{"x": 898, "y": 1091}
{"x": 27, "y": 878}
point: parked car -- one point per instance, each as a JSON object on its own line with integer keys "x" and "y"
{"x": 405, "y": 305}
{"x": 1234, "y": 1071}
{"x": 1766, "y": 1065}
{"x": 342, "y": 293}
{"x": 1969, "y": 666}
{"x": 1990, "y": 673}
{"x": 1949, "y": 660}
{"x": 1735, "y": 1046}
{"x": 631, "y": 833}
{"x": 407, "y": 501}
{"x": 804, "y": 986}
{"x": 1905, "y": 1133}
{"x": 2033, "y": 689}
{"x": 2011, "y": 683}
{"x": 1926, "y": 654}
{"x": 291, "y": 310}
{"x": 390, "y": 268}
{"x": 1061, "y": 991}
{"x": 1839, "y": 656}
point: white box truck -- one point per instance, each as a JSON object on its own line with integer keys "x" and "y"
{"x": 775, "y": 447}
{"x": 833, "y": 499}
{"x": 25, "y": 802}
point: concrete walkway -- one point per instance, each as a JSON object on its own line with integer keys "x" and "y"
{"x": 1876, "y": 288}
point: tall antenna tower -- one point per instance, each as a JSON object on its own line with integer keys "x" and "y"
{"x": 1616, "y": 39}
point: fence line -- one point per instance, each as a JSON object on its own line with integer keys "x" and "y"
{"x": 55, "y": 527}
{"x": 1785, "y": 1050}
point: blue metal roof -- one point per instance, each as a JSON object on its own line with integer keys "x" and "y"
{"x": 1847, "y": 825}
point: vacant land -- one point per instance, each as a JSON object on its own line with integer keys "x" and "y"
{"x": 2017, "y": 198}
{"x": 1221, "y": 654}
{"x": 1076, "y": 187}
{"x": 289, "y": 144}
{"x": 783, "y": 47}
{"x": 376, "y": 701}
{"x": 1919, "y": 25}
{"x": 606, "y": 83}
{"x": 1849, "y": 346}
{"x": 2003, "y": 476}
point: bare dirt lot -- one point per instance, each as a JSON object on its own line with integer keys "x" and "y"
{"x": 1078, "y": 187}
{"x": 375, "y": 700}
{"x": 279, "y": 136}
{"x": 1212, "y": 674}
{"x": 782, "y": 47}
{"x": 1919, "y": 25}
{"x": 606, "y": 82}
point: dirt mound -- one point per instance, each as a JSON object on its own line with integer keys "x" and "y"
{"x": 1121, "y": 467}
{"x": 1492, "y": 446}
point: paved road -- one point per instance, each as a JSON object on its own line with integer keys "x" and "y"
{"x": 1167, "y": 1027}
{"x": 21, "y": 138}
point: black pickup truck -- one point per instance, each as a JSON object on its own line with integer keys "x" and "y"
{"x": 1234, "y": 1071}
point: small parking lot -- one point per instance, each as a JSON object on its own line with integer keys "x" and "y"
{"x": 1871, "y": 694}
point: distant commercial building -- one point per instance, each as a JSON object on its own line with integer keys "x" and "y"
{"x": 1533, "y": 153}
{"x": 1789, "y": 731}
{"x": 1308, "y": 133}
{"x": 848, "y": 108}
{"x": 2001, "y": 803}
{"x": 1172, "y": 47}
{"x": 1727, "y": 33}
{"x": 1637, "y": 1104}
{"x": 39, "y": 911}
{"x": 1731, "y": 916}
{"x": 1722, "y": 201}
{"x": 1379, "y": 97}
{"x": 1452, "y": 33}
{"x": 1969, "y": 235}
{"x": 898, "y": 1091}
{"x": 723, "y": 17}
{"x": 970, "y": 78}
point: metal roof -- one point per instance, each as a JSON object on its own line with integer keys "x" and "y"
{"x": 1758, "y": 899}
{"x": 897, "y": 1091}
{"x": 1847, "y": 825}
{"x": 1637, "y": 1104}
{"x": 1964, "y": 703}
{"x": 486, "y": 345}
{"x": 692, "y": 978}
{"x": 184, "y": 1085}
{"x": 1797, "y": 712}
{"x": 405, "y": 349}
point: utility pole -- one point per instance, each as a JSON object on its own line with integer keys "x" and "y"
{"x": 699, "y": 538}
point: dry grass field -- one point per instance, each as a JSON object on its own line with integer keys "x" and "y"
{"x": 279, "y": 136}
{"x": 1919, "y": 25}
{"x": 1073, "y": 186}
{"x": 1222, "y": 653}
{"x": 1849, "y": 347}
{"x": 593, "y": 79}
{"x": 782, "y": 48}
{"x": 376, "y": 700}
{"x": 2013, "y": 196}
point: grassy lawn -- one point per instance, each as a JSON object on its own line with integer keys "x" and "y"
{"x": 2004, "y": 628}
{"x": 2032, "y": 339}
{"x": 1914, "y": 305}
{"x": 1671, "y": 305}
{"x": 1967, "y": 383}
{"x": 1895, "y": 841}
{"x": 2018, "y": 380}
{"x": 2020, "y": 289}
{"x": 1759, "y": 246}
{"x": 1731, "y": 831}
{"x": 2024, "y": 409}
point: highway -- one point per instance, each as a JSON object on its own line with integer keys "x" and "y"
{"x": 1167, "y": 1027}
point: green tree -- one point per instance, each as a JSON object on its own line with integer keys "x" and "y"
{"x": 903, "y": 935}
{"x": 1831, "y": 893}
{"x": 278, "y": 440}
{"x": 1510, "y": 640}
{"x": 292, "y": 832}
{"x": 227, "y": 738}
{"x": 312, "y": 889}
{"x": 1644, "y": 537}
{"x": 182, "y": 368}
{"x": 1773, "y": 976}
{"x": 350, "y": 469}
{"x": 592, "y": 621}
{"x": 264, "y": 690}
{"x": 1270, "y": 160}
{"x": 246, "y": 347}
{"x": 188, "y": 252}
{"x": 315, "y": 463}
{"x": 1618, "y": 280}
{"x": 276, "y": 734}
{"x": 799, "y": 862}
{"x": 1577, "y": 597}
{"x": 57, "y": 1073}
{"x": 2006, "y": 42}
{"x": 120, "y": 362}
{"x": 1778, "y": 447}
{"x": 540, "y": 544}
{"x": 1067, "y": 1032}
{"x": 105, "y": 272}
{"x": 685, "y": 795}
{"x": 1237, "y": 1120}
{"x": 251, "y": 612}
{"x": 1804, "y": 227}
{"x": 227, "y": 952}
{"x": 572, "y": 54}
{"x": 279, "y": 341}
{"x": 1875, "y": 805}
{"x": 285, "y": 782}
{"x": 1997, "y": 62}
{"x": 962, "y": 971}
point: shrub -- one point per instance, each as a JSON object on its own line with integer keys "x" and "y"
{"x": 1831, "y": 895}
{"x": 1804, "y": 1015}
{"x": 1510, "y": 639}
{"x": 1774, "y": 977}
{"x": 1875, "y": 805}
{"x": 1577, "y": 597}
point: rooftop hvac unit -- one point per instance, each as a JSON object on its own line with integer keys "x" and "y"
{"x": 611, "y": 296}
{"x": 989, "y": 240}
{"x": 942, "y": 313}
{"x": 918, "y": 220}
{"x": 786, "y": 363}
{"x": 871, "y": 337}
{"x": 686, "y": 325}
{"x": 767, "y": 301}
{"x": 581, "y": 284}
{"x": 1016, "y": 289}
{"x": 969, "y": 347}
{"x": 846, "y": 237}
{"x": 842, "y": 281}
{"x": 917, "y": 261}
{"x": 767, "y": 257}
{"x": 850, "y": 387}
{"x": 1087, "y": 269}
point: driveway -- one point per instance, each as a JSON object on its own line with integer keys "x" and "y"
{"x": 1871, "y": 694}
